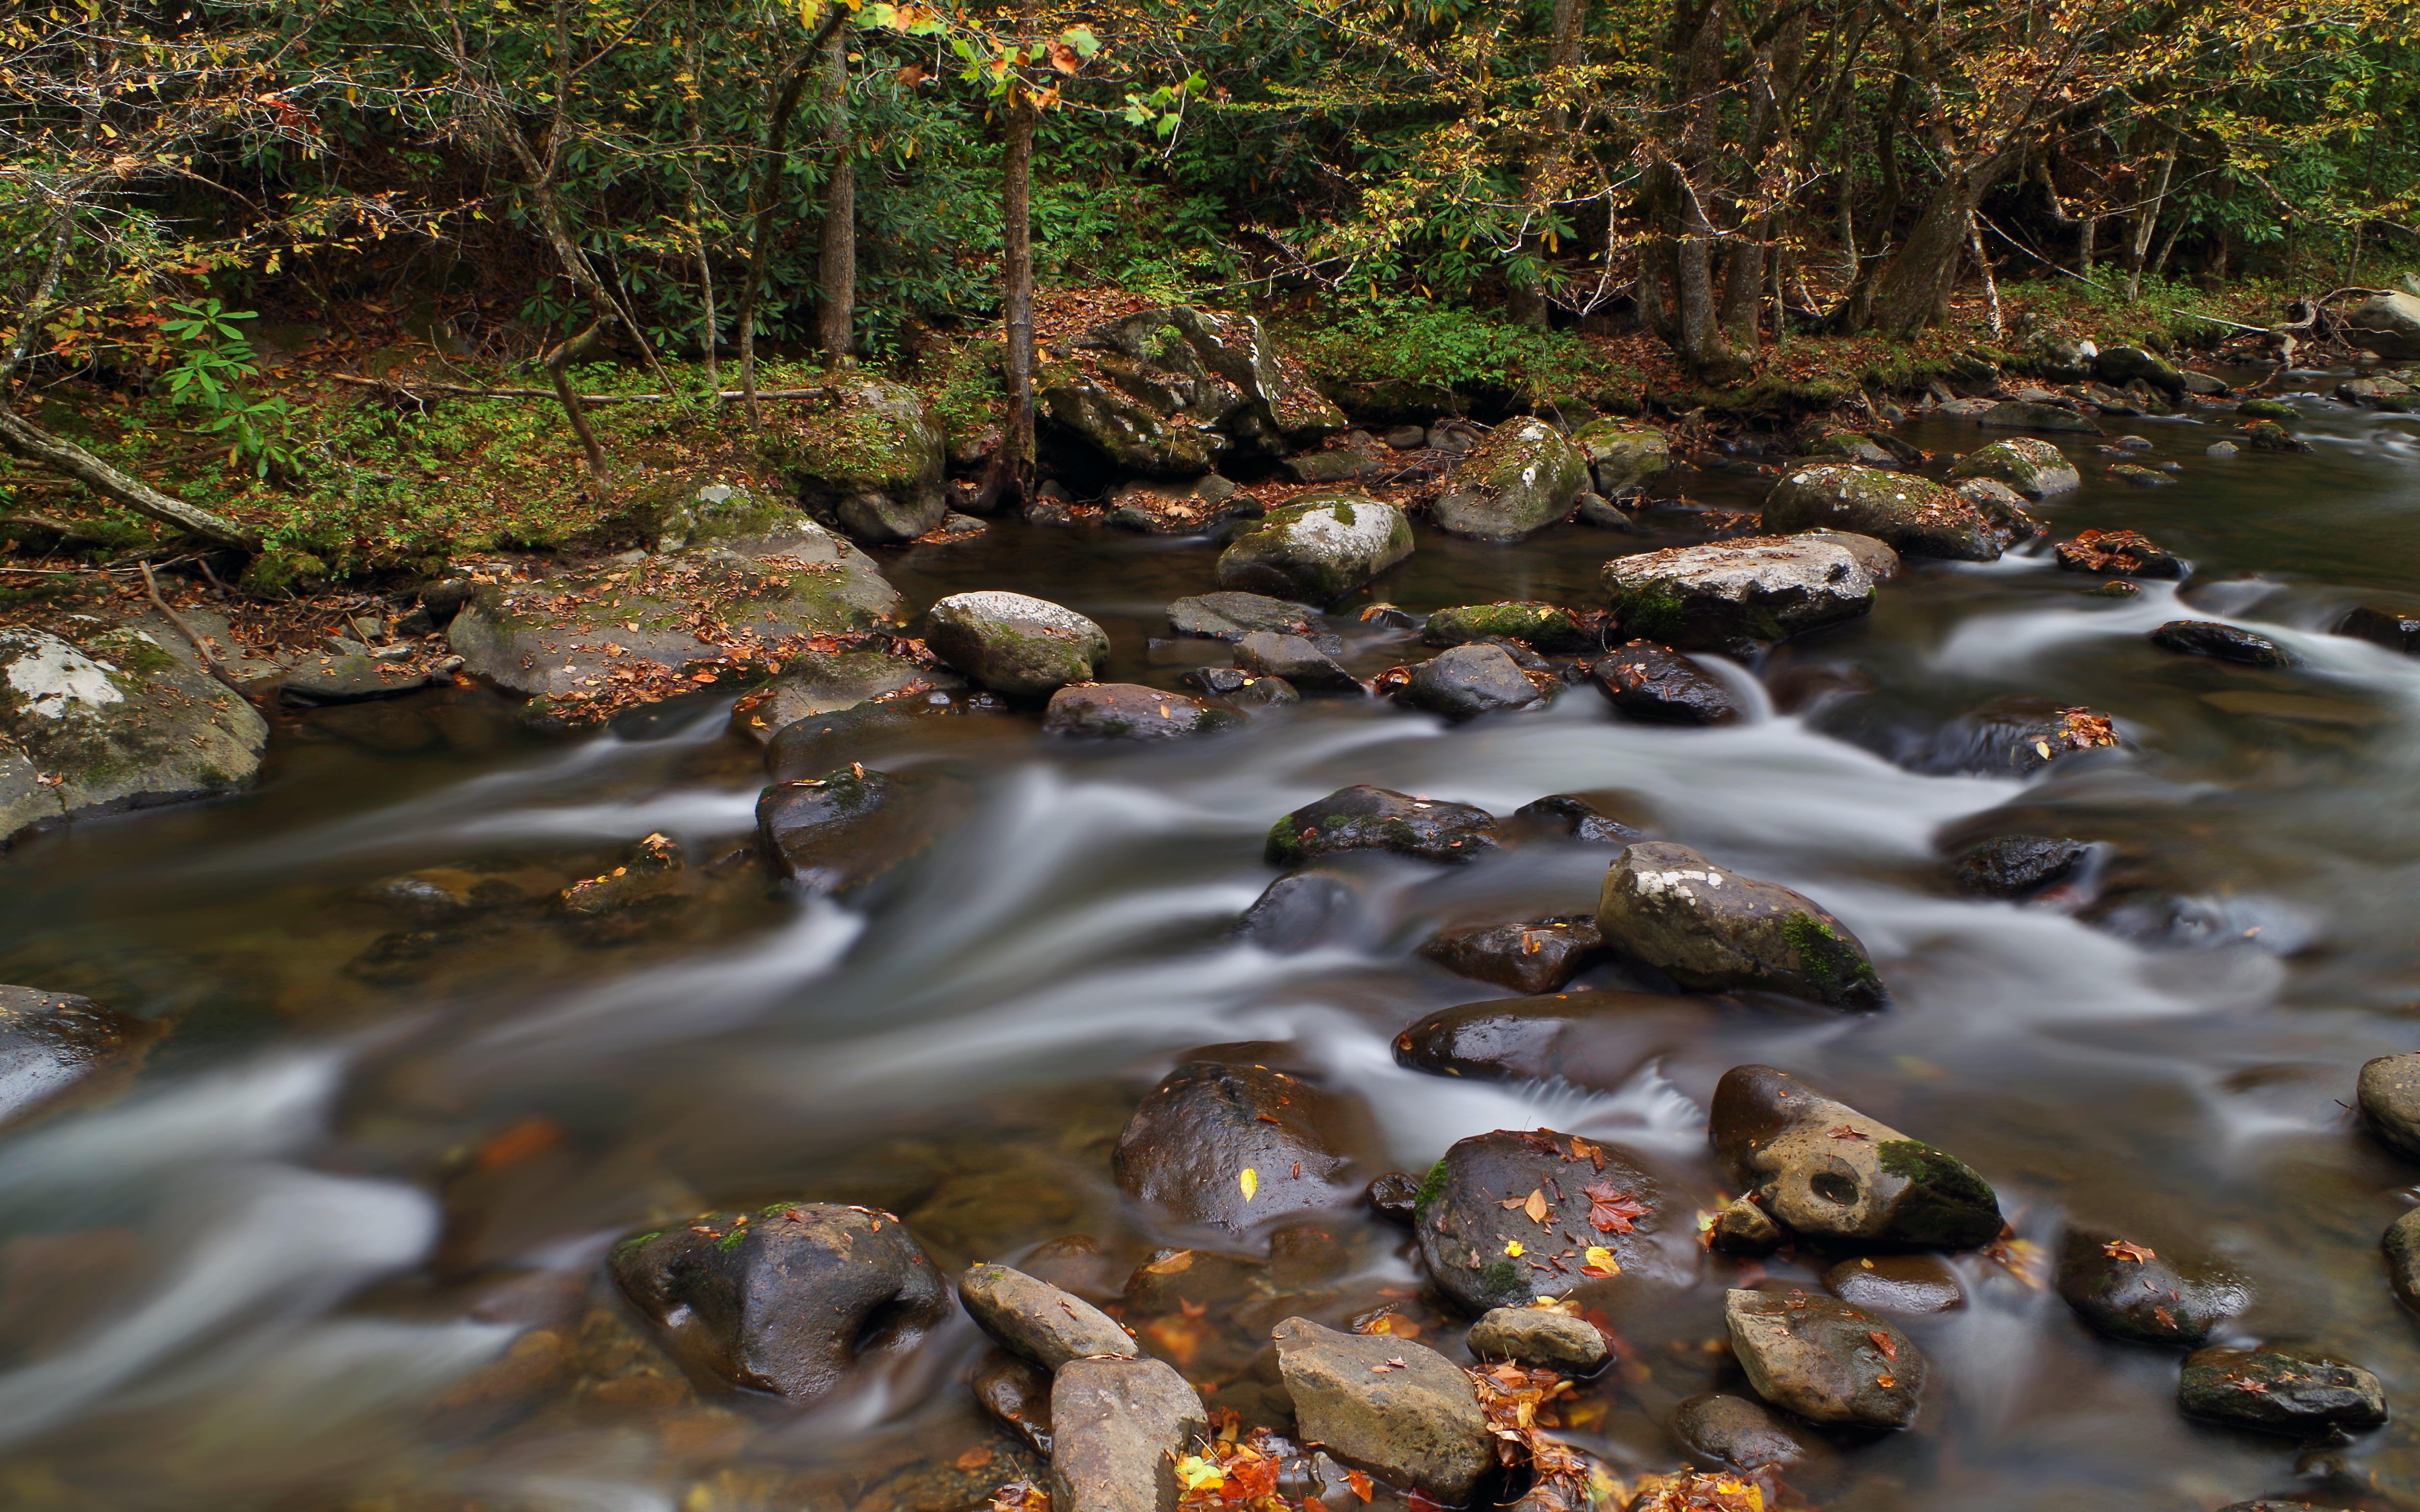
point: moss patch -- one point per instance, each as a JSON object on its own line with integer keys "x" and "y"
{"x": 1835, "y": 967}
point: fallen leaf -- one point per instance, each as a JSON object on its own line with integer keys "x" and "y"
{"x": 1597, "y": 1261}
{"x": 1513, "y": 1248}
{"x": 2120, "y": 1249}
{"x": 1611, "y": 1211}
{"x": 1536, "y": 1206}
{"x": 972, "y": 1461}
{"x": 1844, "y": 1132}
{"x": 1359, "y": 1484}
{"x": 1250, "y": 1182}
{"x": 1882, "y": 1342}
{"x": 1885, "y": 1383}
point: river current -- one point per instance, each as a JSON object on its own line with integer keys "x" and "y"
{"x": 290, "y": 1267}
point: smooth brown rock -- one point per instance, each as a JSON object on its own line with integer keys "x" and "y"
{"x": 1037, "y": 1320}
{"x": 1825, "y": 1360}
{"x": 1209, "y": 1122}
{"x": 1396, "y": 1409}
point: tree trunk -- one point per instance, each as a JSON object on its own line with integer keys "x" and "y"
{"x": 1527, "y": 302}
{"x": 762, "y": 203}
{"x": 1016, "y": 277}
{"x": 555, "y": 361}
{"x": 836, "y": 241}
{"x": 23, "y": 440}
{"x": 2147, "y": 217}
{"x": 1909, "y": 292}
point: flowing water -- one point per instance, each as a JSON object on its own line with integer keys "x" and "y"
{"x": 337, "y": 1246}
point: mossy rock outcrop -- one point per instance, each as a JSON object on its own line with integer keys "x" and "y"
{"x": 1734, "y": 596}
{"x": 1623, "y": 457}
{"x": 2035, "y": 468}
{"x": 1521, "y": 478}
{"x": 1711, "y": 929}
{"x": 1174, "y": 392}
{"x": 1012, "y": 643}
{"x": 1318, "y": 548}
{"x": 1909, "y": 514}
{"x": 871, "y": 461}
{"x": 1542, "y": 626}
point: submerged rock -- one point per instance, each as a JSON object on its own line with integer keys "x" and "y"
{"x": 1521, "y": 478}
{"x": 827, "y": 682}
{"x": 113, "y": 723}
{"x": 1298, "y": 911}
{"x": 2382, "y": 625}
{"x": 1399, "y": 1409}
{"x": 1825, "y": 1170}
{"x": 1915, "y": 1284}
{"x": 1174, "y": 392}
{"x": 1911, "y": 515}
{"x": 1230, "y": 1146}
{"x": 1117, "y": 1430}
{"x": 1825, "y": 1359}
{"x": 53, "y": 1044}
{"x": 1319, "y": 547}
{"x": 1542, "y": 626}
{"x": 1516, "y": 1038}
{"x": 2226, "y": 643}
{"x": 1709, "y": 929}
{"x": 1736, "y": 1432}
{"x": 1470, "y": 681}
{"x": 2011, "y": 736}
{"x": 1540, "y": 1336}
{"x": 1017, "y": 1393}
{"x": 1128, "y": 711}
{"x": 1230, "y": 616}
{"x": 1366, "y": 818}
{"x": 1535, "y": 957}
{"x": 2019, "y": 414}
{"x": 1510, "y": 1216}
{"x": 2015, "y": 866}
{"x": 2402, "y": 1243}
{"x": 1733, "y": 596}
{"x": 2129, "y": 1291}
{"x": 1038, "y": 1320}
{"x": 1651, "y": 682}
{"x": 1573, "y": 816}
{"x": 1013, "y": 643}
{"x": 2276, "y": 1391}
{"x": 785, "y": 1299}
{"x": 835, "y": 833}
{"x": 2388, "y": 1093}
{"x": 1299, "y": 661}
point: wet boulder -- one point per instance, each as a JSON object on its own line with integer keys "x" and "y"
{"x": 1174, "y": 392}
{"x": 1117, "y": 1430}
{"x": 2277, "y": 1391}
{"x": 1542, "y": 627}
{"x": 785, "y": 1299}
{"x": 115, "y": 722}
{"x": 1296, "y": 912}
{"x": 56, "y": 1044}
{"x": 1711, "y": 929}
{"x": 1521, "y": 478}
{"x": 1232, "y": 1146}
{"x": 2011, "y": 736}
{"x": 2015, "y": 866}
{"x": 569, "y": 637}
{"x": 2388, "y": 1094}
{"x": 1534, "y": 957}
{"x": 827, "y": 682}
{"x": 835, "y": 833}
{"x": 1912, "y": 515}
{"x": 2129, "y": 1291}
{"x": 1128, "y": 711}
{"x": 1319, "y": 549}
{"x": 1650, "y": 682}
{"x": 2117, "y": 554}
{"x": 2388, "y": 324}
{"x": 2383, "y": 625}
{"x": 2401, "y": 1244}
{"x": 1366, "y": 818}
{"x": 1232, "y": 616}
{"x": 2021, "y": 414}
{"x": 1017, "y": 1393}
{"x": 2035, "y": 468}
{"x": 1545, "y": 1337}
{"x": 2268, "y": 436}
{"x": 1573, "y": 816}
{"x": 1623, "y": 457}
{"x": 870, "y": 459}
{"x": 864, "y": 733}
{"x": 1736, "y": 1432}
{"x": 1396, "y": 1409}
{"x": 2141, "y": 477}
{"x": 1823, "y": 1170}
{"x": 1517, "y": 1038}
{"x": 349, "y": 678}
{"x": 2224, "y": 643}
{"x": 2122, "y": 365}
{"x": 1912, "y": 1285}
{"x": 1038, "y": 1321}
{"x": 1015, "y": 644}
{"x": 1300, "y": 661}
{"x": 1507, "y": 1217}
{"x": 1734, "y": 596}
{"x": 1825, "y": 1360}
{"x": 1470, "y": 681}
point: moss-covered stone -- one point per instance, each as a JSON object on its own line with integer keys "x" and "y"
{"x": 1174, "y": 392}
{"x": 1712, "y": 929}
{"x": 1015, "y": 644}
{"x": 871, "y": 461}
{"x": 2033, "y": 468}
{"x": 1909, "y": 514}
{"x": 1734, "y": 596}
{"x": 1318, "y": 548}
{"x": 1543, "y": 625}
{"x": 1523, "y": 477}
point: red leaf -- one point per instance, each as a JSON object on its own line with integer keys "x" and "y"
{"x": 1611, "y": 1211}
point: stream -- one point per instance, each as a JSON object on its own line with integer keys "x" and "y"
{"x": 337, "y": 1249}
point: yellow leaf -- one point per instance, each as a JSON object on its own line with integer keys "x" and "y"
{"x": 1598, "y": 1260}
{"x": 1536, "y": 1206}
{"x": 1250, "y": 1182}
{"x": 1513, "y": 1248}
{"x": 1196, "y": 1473}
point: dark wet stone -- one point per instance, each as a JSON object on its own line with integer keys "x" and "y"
{"x": 2268, "y": 436}
{"x": 1651, "y": 682}
{"x": 2009, "y": 736}
{"x": 2226, "y": 642}
{"x": 1828, "y": 1361}
{"x": 1514, "y": 1039}
{"x": 1017, "y": 1393}
{"x": 1909, "y": 1284}
{"x": 785, "y": 1299}
{"x": 1542, "y": 626}
{"x": 1394, "y": 1197}
{"x": 1117, "y": 1428}
{"x": 2131, "y": 1291}
{"x": 1914, "y": 515}
{"x": 1711, "y": 929}
{"x": 2129, "y": 364}
{"x": 1366, "y": 818}
{"x": 2388, "y": 1093}
{"x": 1265, "y": 693}
{"x": 1207, "y": 1122}
{"x": 1540, "y": 1336}
{"x": 1825, "y": 1170}
{"x": 2015, "y": 866}
{"x": 1464, "y": 1226}
{"x": 1036, "y": 1320}
{"x": 347, "y": 680}
{"x": 1535, "y": 957}
{"x": 1470, "y": 681}
{"x": 1298, "y": 660}
{"x": 1573, "y": 816}
{"x": 648, "y": 880}
{"x": 815, "y": 683}
{"x": 2396, "y": 629}
{"x": 2402, "y": 1246}
{"x": 2141, "y": 477}
{"x": 1743, "y": 1227}
{"x": 814, "y": 745}
{"x": 1399, "y": 1409}
{"x": 1232, "y": 616}
{"x": 1128, "y": 711}
{"x": 1298, "y": 911}
{"x": 1217, "y": 682}
{"x": 438, "y": 895}
{"x": 540, "y": 1364}
{"x": 2272, "y": 1391}
{"x": 840, "y": 831}
{"x": 2017, "y": 415}
{"x": 2117, "y": 554}
{"x": 1736, "y": 1432}
{"x": 54, "y": 1043}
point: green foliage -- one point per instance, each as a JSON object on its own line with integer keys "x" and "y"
{"x": 1376, "y": 338}
{"x": 211, "y": 375}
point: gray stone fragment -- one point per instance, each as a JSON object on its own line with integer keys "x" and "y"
{"x": 2388, "y": 1093}
{"x": 1540, "y": 1336}
{"x": 1117, "y": 1429}
{"x": 1014, "y": 644}
{"x": 1825, "y": 1360}
{"x": 1038, "y": 1320}
{"x": 1396, "y": 1409}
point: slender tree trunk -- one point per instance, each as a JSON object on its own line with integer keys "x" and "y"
{"x": 1017, "y": 277}
{"x": 761, "y": 200}
{"x": 1527, "y": 304}
{"x": 1910, "y": 290}
{"x": 23, "y": 440}
{"x": 836, "y": 241}
{"x": 555, "y": 361}
{"x": 2147, "y": 217}
{"x": 710, "y": 334}
{"x": 1703, "y": 345}
{"x": 2087, "y": 244}
{"x": 1991, "y": 285}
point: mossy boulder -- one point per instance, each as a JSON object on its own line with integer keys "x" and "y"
{"x": 1733, "y": 596}
{"x": 1623, "y": 457}
{"x": 687, "y": 511}
{"x": 1542, "y": 626}
{"x": 1909, "y": 514}
{"x": 1483, "y": 1248}
{"x": 1174, "y": 392}
{"x": 2387, "y": 324}
{"x": 2035, "y": 468}
{"x": 1523, "y": 477}
{"x": 1318, "y": 548}
{"x": 871, "y": 461}
{"x": 1711, "y": 929}
{"x": 113, "y": 723}
{"x": 827, "y": 682}
{"x": 2122, "y": 365}
{"x": 1015, "y": 644}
